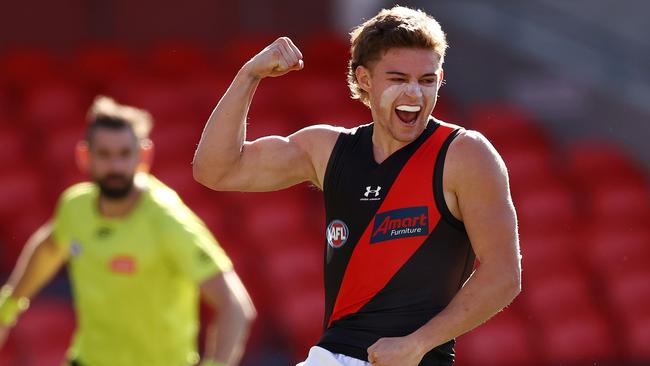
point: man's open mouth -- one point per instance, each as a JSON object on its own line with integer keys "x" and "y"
{"x": 408, "y": 114}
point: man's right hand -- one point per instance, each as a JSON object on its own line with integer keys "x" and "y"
{"x": 278, "y": 58}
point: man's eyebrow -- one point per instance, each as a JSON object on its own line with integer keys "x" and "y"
{"x": 399, "y": 73}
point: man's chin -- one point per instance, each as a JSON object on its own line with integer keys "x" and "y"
{"x": 115, "y": 193}
{"x": 407, "y": 135}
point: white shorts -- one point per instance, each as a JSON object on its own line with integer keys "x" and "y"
{"x": 321, "y": 357}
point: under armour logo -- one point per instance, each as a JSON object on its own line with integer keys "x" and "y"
{"x": 369, "y": 190}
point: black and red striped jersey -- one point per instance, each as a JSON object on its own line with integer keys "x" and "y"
{"x": 395, "y": 256}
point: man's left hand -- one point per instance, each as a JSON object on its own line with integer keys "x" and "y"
{"x": 398, "y": 351}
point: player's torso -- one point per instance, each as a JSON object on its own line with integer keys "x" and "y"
{"x": 392, "y": 259}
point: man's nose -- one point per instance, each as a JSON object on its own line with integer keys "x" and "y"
{"x": 413, "y": 90}
{"x": 118, "y": 164}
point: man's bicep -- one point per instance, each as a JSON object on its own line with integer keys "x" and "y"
{"x": 267, "y": 164}
{"x": 484, "y": 200}
{"x": 275, "y": 162}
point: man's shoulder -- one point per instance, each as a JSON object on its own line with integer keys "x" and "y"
{"x": 77, "y": 193}
{"x": 318, "y": 131}
{"x": 166, "y": 204}
{"x": 163, "y": 198}
{"x": 471, "y": 142}
{"x": 325, "y": 135}
{"x": 472, "y": 155}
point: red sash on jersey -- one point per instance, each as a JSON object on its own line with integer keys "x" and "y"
{"x": 372, "y": 265}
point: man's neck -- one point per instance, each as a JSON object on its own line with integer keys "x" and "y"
{"x": 120, "y": 207}
{"x": 383, "y": 144}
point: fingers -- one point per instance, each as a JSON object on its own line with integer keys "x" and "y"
{"x": 287, "y": 61}
{"x": 291, "y": 47}
{"x": 372, "y": 356}
{"x": 278, "y": 58}
{"x": 290, "y": 54}
{"x": 295, "y": 49}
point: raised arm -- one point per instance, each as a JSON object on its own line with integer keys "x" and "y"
{"x": 36, "y": 266}
{"x": 476, "y": 180}
{"x": 225, "y": 161}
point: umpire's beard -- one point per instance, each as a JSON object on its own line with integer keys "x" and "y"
{"x": 115, "y": 186}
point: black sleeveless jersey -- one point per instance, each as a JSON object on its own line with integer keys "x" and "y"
{"x": 395, "y": 256}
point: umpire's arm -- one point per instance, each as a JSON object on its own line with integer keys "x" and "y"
{"x": 227, "y": 335}
{"x": 39, "y": 261}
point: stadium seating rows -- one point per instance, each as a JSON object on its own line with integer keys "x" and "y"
{"x": 584, "y": 209}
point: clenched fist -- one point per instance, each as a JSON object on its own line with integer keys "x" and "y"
{"x": 276, "y": 59}
{"x": 397, "y": 351}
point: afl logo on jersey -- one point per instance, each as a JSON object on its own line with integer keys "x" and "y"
{"x": 337, "y": 233}
{"x": 75, "y": 248}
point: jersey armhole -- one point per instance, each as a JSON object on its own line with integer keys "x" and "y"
{"x": 438, "y": 190}
{"x": 332, "y": 161}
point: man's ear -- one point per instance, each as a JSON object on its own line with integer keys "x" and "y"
{"x": 441, "y": 77}
{"x": 363, "y": 78}
{"x": 82, "y": 156}
{"x": 146, "y": 155}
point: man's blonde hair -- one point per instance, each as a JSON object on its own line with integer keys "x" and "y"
{"x": 106, "y": 112}
{"x": 398, "y": 27}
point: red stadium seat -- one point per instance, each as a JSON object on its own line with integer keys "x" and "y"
{"x": 623, "y": 202}
{"x": 582, "y": 337}
{"x": 24, "y": 69}
{"x": 20, "y": 188}
{"x": 98, "y": 65}
{"x": 21, "y": 211}
{"x": 503, "y": 341}
{"x": 58, "y": 160}
{"x": 7, "y": 356}
{"x": 202, "y": 93}
{"x": 506, "y": 126}
{"x": 547, "y": 208}
{"x": 326, "y": 53}
{"x": 164, "y": 100}
{"x": 16, "y": 230}
{"x": 544, "y": 253}
{"x": 241, "y": 48}
{"x": 446, "y": 109}
{"x": 47, "y": 327}
{"x": 178, "y": 176}
{"x": 558, "y": 296}
{"x": 174, "y": 144}
{"x": 54, "y": 106}
{"x": 636, "y": 338}
{"x": 12, "y": 147}
{"x": 592, "y": 163}
{"x": 629, "y": 295}
{"x": 271, "y": 123}
{"x": 275, "y": 215}
{"x": 300, "y": 316}
{"x": 613, "y": 250}
{"x": 177, "y": 60}
{"x": 529, "y": 169}
{"x": 297, "y": 267}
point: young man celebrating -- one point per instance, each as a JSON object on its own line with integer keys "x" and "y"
{"x": 138, "y": 259}
{"x": 410, "y": 201}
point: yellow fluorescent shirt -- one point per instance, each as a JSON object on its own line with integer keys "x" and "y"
{"x": 136, "y": 279}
